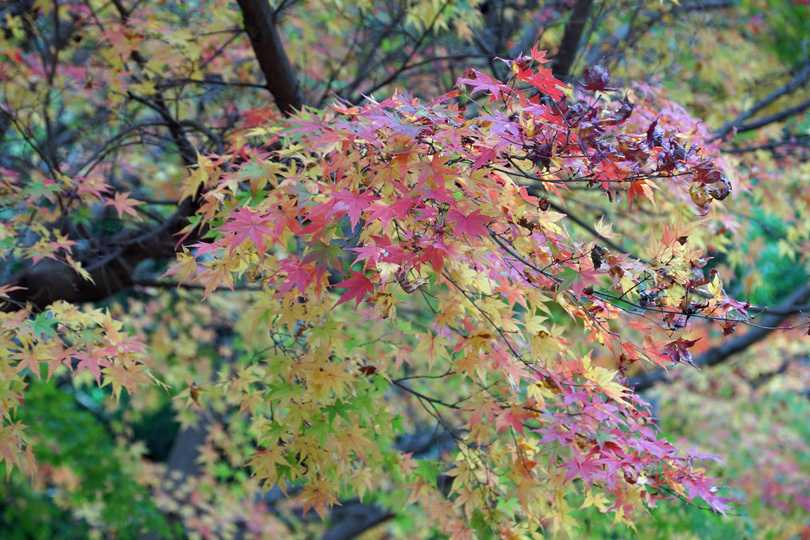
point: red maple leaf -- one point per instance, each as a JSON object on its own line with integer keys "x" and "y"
{"x": 546, "y": 83}
{"x": 543, "y": 79}
{"x": 437, "y": 251}
{"x": 677, "y": 350}
{"x": 511, "y": 418}
{"x": 538, "y": 55}
{"x": 387, "y": 212}
{"x": 358, "y": 288}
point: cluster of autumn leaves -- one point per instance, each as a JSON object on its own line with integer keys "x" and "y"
{"x": 405, "y": 208}
{"x": 425, "y": 249}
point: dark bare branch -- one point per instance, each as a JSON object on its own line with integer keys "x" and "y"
{"x": 799, "y": 79}
{"x": 355, "y": 518}
{"x": 775, "y": 117}
{"x": 564, "y": 60}
{"x": 260, "y": 25}
{"x": 800, "y": 142}
{"x": 723, "y": 352}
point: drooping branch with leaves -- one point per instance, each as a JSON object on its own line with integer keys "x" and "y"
{"x": 440, "y": 302}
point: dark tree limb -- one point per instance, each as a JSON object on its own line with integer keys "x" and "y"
{"x": 722, "y": 352}
{"x": 799, "y": 79}
{"x": 775, "y": 117}
{"x": 564, "y": 60}
{"x": 111, "y": 270}
{"x": 799, "y": 142}
{"x": 355, "y": 518}
{"x": 260, "y": 25}
{"x": 639, "y": 27}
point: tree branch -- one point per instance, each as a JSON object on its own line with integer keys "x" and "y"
{"x": 569, "y": 47}
{"x": 775, "y": 117}
{"x": 798, "y": 80}
{"x": 49, "y": 280}
{"x": 801, "y": 142}
{"x": 722, "y": 352}
{"x": 282, "y": 82}
{"x": 355, "y": 518}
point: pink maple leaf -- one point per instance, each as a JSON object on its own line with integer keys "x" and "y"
{"x": 473, "y": 224}
{"x": 123, "y": 203}
{"x": 355, "y": 203}
{"x": 299, "y": 274}
{"x": 485, "y": 82}
{"x": 93, "y": 362}
{"x": 248, "y": 223}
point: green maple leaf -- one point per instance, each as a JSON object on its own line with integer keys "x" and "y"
{"x": 43, "y": 324}
{"x": 323, "y": 255}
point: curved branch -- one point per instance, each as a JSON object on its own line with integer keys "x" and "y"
{"x": 355, "y": 518}
{"x": 49, "y": 280}
{"x": 775, "y": 117}
{"x": 798, "y": 142}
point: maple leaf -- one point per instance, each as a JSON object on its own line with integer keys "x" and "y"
{"x": 437, "y": 251}
{"x": 247, "y": 223}
{"x": 125, "y": 376}
{"x": 123, "y": 204}
{"x": 32, "y": 358}
{"x": 387, "y": 212}
{"x": 5, "y": 289}
{"x": 472, "y": 225}
{"x": 354, "y": 441}
{"x": 595, "y": 499}
{"x": 323, "y": 255}
{"x": 185, "y": 267}
{"x": 299, "y": 274}
{"x": 355, "y": 203}
{"x": 512, "y": 417}
{"x": 677, "y": 350}
{"x": 319, "y": 494}
{"x": 469, "y": 364}
{"x": 359, "y": 286}
{"x": 59, "y": 357}
{"x": 485, "y": 157}
{"x": 264, "y": 464}
{"x": 92, "y": 361}
{"x": 544, "y": 81}
{"x": 639, "y": 188}
{"x": 596, "y": 79}
{"x": 483, "y": 82}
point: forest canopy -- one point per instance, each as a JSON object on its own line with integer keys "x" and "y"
{"x": 427, "y": 269}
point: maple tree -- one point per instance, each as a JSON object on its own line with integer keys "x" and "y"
{"x": 441, "y": 304}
